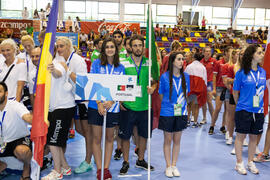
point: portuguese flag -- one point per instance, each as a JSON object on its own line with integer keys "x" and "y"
{"x": 121, "y": 87}
{"x": 154, "y": 68}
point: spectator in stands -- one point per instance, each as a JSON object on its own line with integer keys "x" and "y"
{"x": 186, "y": 32}
{"x": 230, "y": 33}
{"x": 128, "y": 32}
{"x": 98, "y": 44}
{"x": 78, "y": 19}
{"x": 36, "y": 15}
{"x": 215, "y": 30}
{"x": 203, "y": 23}
{"x": 179, "y": 19}
{"x": 25, "y": 13}
{"x": 246, "y": 33}
{"x": 157, "y": 30}
{"x": 164, "y": 30}
{"x": 259, "y": 33}
{"x": 163, "y": 54}
{"x": 169, "y": 32}
{"x": 15, "y": 139}
{"x": 135, "y": 32}
{"x": 181, "y": 33}
{"x": 48, "y": 10}
{"x": 9, "y": 31}
{"x": 209, "y": 33}
{"x": 42, "y": 15}
{"x": 265, "y": 33}
{"x": 83, "y": 39}
{"x": 175, "y": 31}
{"x": 103, "y": 32}
{"x": 69, "y": 23}
{"x": 91, "y": 35}
{"x": 29, "y": 29}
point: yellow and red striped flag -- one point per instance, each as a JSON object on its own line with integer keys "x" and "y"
{"x": 41, "y": 107}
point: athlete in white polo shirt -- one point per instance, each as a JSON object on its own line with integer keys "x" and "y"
{"x": 14, "y": 138}
{"x": 17, "y": 76}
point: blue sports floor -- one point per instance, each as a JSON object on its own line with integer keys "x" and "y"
{"x": 201, "y": 157}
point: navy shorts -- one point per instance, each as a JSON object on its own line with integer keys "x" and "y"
{"x": 129, "y": 119}
{"x": 94, "y": 118}
{"x": 191, "y": 98}
{"x": 210, "y": 86}
{"x": 172, "y": 123}
{"x": 227, "y": 95}
{"x": 246, "y": 124}
{"x": 81, "y": 112}
{"x": 231, "y": 101}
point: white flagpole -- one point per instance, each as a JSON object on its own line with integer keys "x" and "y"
{"x": 103, "y": 144}
{"x": 149, "y": 83}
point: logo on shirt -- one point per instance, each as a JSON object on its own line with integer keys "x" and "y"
{"x": 102, "y": 70}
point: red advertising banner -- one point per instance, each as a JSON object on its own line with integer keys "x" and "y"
{"x": 110, "y": 26}
{"x": 14, "y": 24}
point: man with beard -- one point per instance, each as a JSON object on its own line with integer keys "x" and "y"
{"x": 127, "y": 46}
{"x": 136, "y": 113}
{"x": 118, "y": 37}
{"x": 95, "y": 54}
{"x": 14, "y": 139}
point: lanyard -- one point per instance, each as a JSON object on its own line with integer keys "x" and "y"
{"x": 69, "y": 59}
{"x": 137, "y": 69}
{"x": 256, "y": 80}
{"x": 27, "y": 62}
{"x": 107, "y": 70}
{"x": 177, "y": 88}
{"x": 1, "y": 123}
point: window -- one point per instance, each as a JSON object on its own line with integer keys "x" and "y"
{"x": 74, "y": 6}
{"x": 259, "y": 16}
{"x": 108, "y": 8}
{"x": 267, "y": 14}
{"x": 110, "y": 17}
{"x": 166, "y": 10}
{"x": 247, "y": 13}
{"x": 220, "y": 12}
{"x": 165, "y": 14}
{"x": 91, "y": 10}
{"x": 132, "y": 8}
{"x": 74, "y": 15}
{"x": 11, "y": 5}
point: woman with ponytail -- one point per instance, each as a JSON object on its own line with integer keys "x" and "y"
{"x": 173, "y": 90}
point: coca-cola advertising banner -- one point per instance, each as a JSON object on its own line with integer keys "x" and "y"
{"x": 110, "y": 26}
{"x": 15, "y": 24}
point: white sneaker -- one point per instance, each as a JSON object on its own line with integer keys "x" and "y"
{"x": 175, "y": 171}
{"x": 245, "y": 143}
{"x": 252, "y": 168}
{"x": 229, "y": 141}
{"x": 233, "y": 151}
{"x": 240, "y": 168}
{"x": 257, "y": 151}
{"x": 192, "y": 119}
{"x": 169, "y": 172}
{"x": 53, "y": 175}
{"x": 227, "y": 136}
{"x": 66, "y": 172}
{"x": 203, "y": 122}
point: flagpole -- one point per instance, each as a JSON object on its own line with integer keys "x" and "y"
{"x": 103, "y": 144}
{"x": 149, "y": 83}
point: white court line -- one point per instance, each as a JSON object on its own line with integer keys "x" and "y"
{"x": 129, "y": 175}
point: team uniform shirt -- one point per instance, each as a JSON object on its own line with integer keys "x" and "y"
{"x": 228, "y": 72}
{"x": 32, "y": 79}
{"x": 246, "y": 84}
{"x": 13, "y": 127}
{"x": 97, "y": 68}
{"x": 76, "y": 64}
{"x": 18, "y": 73}
{"x": 2, "y": 58}
{"x": 122, "y": 54}
{"x": 209, "y": 65}
{"x": 95, "y": 55}
{"x": 167, "y": 104}
{"x": 84, "y": 37}
{"x": 141, "y": 103}
{"x": 28, "y": 61}
{"x": 217, "y": 71}
{"x": 60, "y": 97}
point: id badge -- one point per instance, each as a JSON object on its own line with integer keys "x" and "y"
{"x": 2, "y": 145}
{"x": 139, "y": 91}
{"x": 256, "y": 101}
{"x": 177, "y": 110}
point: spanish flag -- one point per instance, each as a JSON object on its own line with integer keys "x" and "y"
{"x": 40, "y": 117}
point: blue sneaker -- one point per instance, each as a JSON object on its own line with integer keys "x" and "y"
{"x": 83, "y": 168}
